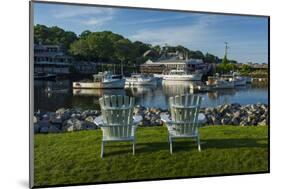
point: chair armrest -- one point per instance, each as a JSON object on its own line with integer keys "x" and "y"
{"x": 99, "y": 121}
{"x": 137, "y": 119}
{"x": 202, "y": 118}
{"x": 165, "y": 118}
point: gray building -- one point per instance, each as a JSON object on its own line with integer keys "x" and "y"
{"x": 54, "y": 59}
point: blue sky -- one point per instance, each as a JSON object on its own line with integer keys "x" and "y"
{"x": 247, "y": 36}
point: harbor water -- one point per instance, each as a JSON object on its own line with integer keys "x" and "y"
{"x": 52, "y": 95}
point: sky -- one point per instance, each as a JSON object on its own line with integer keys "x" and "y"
{"x": 247, "y": 36}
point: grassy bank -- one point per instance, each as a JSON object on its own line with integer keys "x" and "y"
{"x": 71, "y": 158}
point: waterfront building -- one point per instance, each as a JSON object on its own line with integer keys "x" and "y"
{"x": 196, "y": 64}
{"x": 54, "y": 59}
{"x": 166, "y": 65}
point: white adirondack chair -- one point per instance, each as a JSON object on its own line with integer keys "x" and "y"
{"x": 117, "y": 122}
{"x": 184, "y": 121}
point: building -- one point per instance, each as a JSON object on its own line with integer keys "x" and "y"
{"x": 152, "y": 68}
{"x": 51, "y": 59}
{"x": 54, "y": 59}
{"x": 196, "y": 64}
{"x": 164, "y": 65}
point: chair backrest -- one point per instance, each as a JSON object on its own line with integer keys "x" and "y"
{"x": 184, "y": 113}
{"x": 117, "y": 112}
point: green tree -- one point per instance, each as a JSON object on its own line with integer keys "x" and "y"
{"x": 85, "y": 33}
{"x": 195, "y": 55}
{"x": 245, "y": 69}
{"x": 53, "y": 36}
{"x": 209, "y": 58}
{"x": 224, "y": 60}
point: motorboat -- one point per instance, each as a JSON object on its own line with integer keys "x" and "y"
{"x": 140, "y": 79}
{"x": 220, "y": 83}
{"x": 102, "y": 80}
{"x": 181, "y": 75}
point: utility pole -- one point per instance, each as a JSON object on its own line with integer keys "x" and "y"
{"x": 226, "y": 47}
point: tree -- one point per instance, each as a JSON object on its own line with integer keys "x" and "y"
{"x": 224, "y": 60}
{"x": 85, "y": 33}
{"x": 53, "y": 36}
{"x": 195, "y": 55}
{"x": 209, "y": 58}
{"x": 245, "y": 69}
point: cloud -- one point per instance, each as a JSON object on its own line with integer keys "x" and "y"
{"x": 153, "y": 20}
{"x": 86, "y": 15}
{"x": 206, "y": 34}
{"x": 188, "y": 35}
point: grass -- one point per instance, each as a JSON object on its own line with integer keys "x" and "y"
{"x": 72, "y": 158}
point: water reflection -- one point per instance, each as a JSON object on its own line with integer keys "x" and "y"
{"x": 97, "y": 92}
{"x": 51, "y": 95}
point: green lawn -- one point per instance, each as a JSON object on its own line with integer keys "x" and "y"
{"x": 72, "y": 158}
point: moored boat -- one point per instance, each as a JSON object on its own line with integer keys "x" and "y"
{"x": 220, "y": 83}
{"x": 238, "y": 80}
{"x": 102, "y": 80}
{"x": 140, "y": 79}
{"x": 44, "y": 76}
{"x": 181, "y": 75}
{"x": 248, "y": 79}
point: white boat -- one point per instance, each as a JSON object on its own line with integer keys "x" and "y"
{"x": 102, "y": 80}
{"x": 238, "y": 80}
{"x": 97, "y": 92}
{"x": 140, "y": 79}
{"x": 181, "y": 75}
{"x": 248, "y": 79}
{"x": 44, "y": 76}
{"x": 220, "y": 83}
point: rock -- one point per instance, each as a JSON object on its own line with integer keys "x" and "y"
{"x": 43, "y": 123}
{"x": 262, "y": 123}
{"x": 56, "y": 120}
{"x": 225, "y": 121}
{"x": 89, "y": 123}
{"x": 68, "y": 128}
{"x": 72, "y": 124}
{"x": 46, "y": 117}
{"x": 36, "y": 128}
{"x": 66, "y": 115}
{"x": 35, "y": 119}
{"x": 44, "y": 130}
{"x": 243, "y": 123}
{"x": 54, "y": 129}
{"x": 235, "y": 121}
{"x": 60, "y": 111}
{"x": 236, "y": 114}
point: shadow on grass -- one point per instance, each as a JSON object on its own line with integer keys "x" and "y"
{"x": 185, "y": 145}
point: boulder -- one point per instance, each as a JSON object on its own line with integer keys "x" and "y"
{"x": 54, "y": 129}
{"x": 262, "y": 123}
{"x": 35, "y": 119}
{"x": 36, "y": 128}
{"x": 72, "y": 124}
{"x": 43, "y": 123}
{"x": 225, "y": 121}
{"x": 235, "y": 121}
{"x": 236, "y": 114}
{"x": 44, "y": 130}
{"x": 60, "y": 111}
{"x": 89, "y": 123}
{"x": 56, "y": 120}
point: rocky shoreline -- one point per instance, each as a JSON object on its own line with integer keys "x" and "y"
{"x": 75, "y": 119}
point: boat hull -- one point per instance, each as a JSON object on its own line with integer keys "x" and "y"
{"x": 117, "y": 84}
{"x": 146, "y": 82}
{"x": 192, "y": 77}
{"x": 240, "y": 82}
